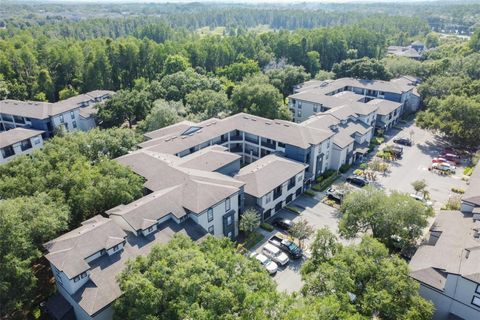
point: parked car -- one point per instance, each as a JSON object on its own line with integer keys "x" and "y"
{"x": 283, "y": 224}
{"x": 275, "y": 254}
{"x": 403, "y": 141}
{"x": 452, "y": 157}
{"x": 445, "y": 167}
{"x": 421, "y": 199}
{"x": 397, "y": 151}
{"x": 268, "y": 264}
{"x": 335, "y": 194}
{"x": 357, "y": 181}
{"x": 286, "y": 245}
{"x": 439, "y": 160}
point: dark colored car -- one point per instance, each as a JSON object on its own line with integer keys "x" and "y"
{"x": 288, "y": 246}
{"x": 281, "y": 223}
{"x": 403, "y": 142}
{"x": 357, "y": 181}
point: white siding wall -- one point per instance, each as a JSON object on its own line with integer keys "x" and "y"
{"x": 69, "y": 285}
{"x": 218, "y": 213}
{"x": 37, "y": 143}
{"x": 67, "y": 119}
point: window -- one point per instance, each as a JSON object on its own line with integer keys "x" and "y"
{"x": 299, "y": 113}
{"x": 74, "y": 123}
{"x": 72, "y": 114}
{"x": 476, "y": 301}
{"x": 116, "y": 246}
{"x": 83, "y": 275}
{"x": 315, "y": 109}
{"x": 281, "y": 145}
{"x": 210, "y": 214}
{"x": 61, "y": 118}
{"x": 227, "y": 204}
{"x": 210, "y": 230}
{"x": 76, "y": 279}
{"x": 230, "y": 234}
{"x": 268, "y": 198}
{"x": 299, "y": 178}
{"x": 36, "y": 140}
{"x": 478, "y": 289}
{"x": 229, "y": 220}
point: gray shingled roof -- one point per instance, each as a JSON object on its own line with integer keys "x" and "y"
{"x": 102, "y": 289}
{"x": 43, "y": 110}
{"x": 472, "y": 194}
{"x": 456, "y": 250}
{"x": 210, "y": 158}
{"x": 198, "y": 190}
{"x": 279, "y": 130}
{"x": 7, "y": 138}
{"x": 267, "y": 173}
{"x": 384, "y": 106}
{"x": 69, "y": 251}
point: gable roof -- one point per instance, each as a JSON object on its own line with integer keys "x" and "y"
{"x": 69, "y": 251}
{"x": 210, "y": 158}
{"x": 12, "y": 136}
{"x": 472, "y": 194}
{"x": 279, "y": 130}
{"x": 196, "y": 190}
{"x": 267, "y": 173}
{"x": 43, "y": 110}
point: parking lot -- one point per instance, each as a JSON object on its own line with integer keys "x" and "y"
{"x": 413, "y": 166}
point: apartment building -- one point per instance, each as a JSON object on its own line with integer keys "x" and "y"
{"x": 19, "y": 141}
{"x": 199, "y": 178}
{"x": 75, "y": 113}
{"x": 271, "y": 183}
{"x": 414, "y": 51}
{"x": 447, "y": 266}
{"x": 316, "y": 96}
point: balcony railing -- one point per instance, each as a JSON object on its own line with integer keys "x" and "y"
{"x": 236, "y": 138}
{"x": 251, "y": 139}
{"x": 268, "y": 145}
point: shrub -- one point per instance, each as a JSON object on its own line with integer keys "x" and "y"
{"x": 267, "y": 227}
{"x": 468, "y": 171}
{"x": 458, "y": 190}
{"x": 344, "y": 168}
{"x": 358, "y": 172}
{"x": 293, "y": 209}
{"x": 453, "y": 203}
{"x": 330, "y": 202}
{"x": 310, "y": 193}
{"x": 253, "y": 239}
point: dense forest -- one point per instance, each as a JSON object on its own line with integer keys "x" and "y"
{"x": 195, "y": 61}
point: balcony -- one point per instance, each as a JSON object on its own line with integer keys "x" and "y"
{"x": 236, "y": 138}
{"x": 277, "y": 193}
{"x": 251, "y": 152}
{"x": 236, "y": 149}
{"x": 270, "y": 145}
{"x": 251, "y": 139}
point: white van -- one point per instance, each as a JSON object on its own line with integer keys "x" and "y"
{"x": 275, "y": 254}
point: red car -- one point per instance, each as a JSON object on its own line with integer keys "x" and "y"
{"x": 452, "y": 157}
{"x": 439, "y": 160}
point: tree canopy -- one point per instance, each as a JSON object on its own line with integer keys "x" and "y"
{"x": 366, "y": 280}
{"x": 395, "y": 219}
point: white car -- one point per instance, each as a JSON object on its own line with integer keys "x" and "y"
{"x": 268, "y": 264}
{"x": 443, "y": 166}
{"x": 275, "y": 254}
{"x": 421, "y": 199}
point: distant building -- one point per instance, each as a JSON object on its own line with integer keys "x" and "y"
{"x": 414, "y": 51}
{"x": 448, "y": 265}
{"x": 75, "y": 113}
{"x": 376, "y": 102}
{"x": 19, "y": 141}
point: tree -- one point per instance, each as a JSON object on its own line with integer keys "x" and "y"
{"x": 237, "y": 71}
{"x": 474, "y": 42}
{"x": 286, "y": 77}
{"x": 207, "y": 280}
{"x": 456, "y": 117}
{"x": 25, "y": 224}
{"x": 365, "y": 68}
{"x": 250, "y": 221}
{"x": 324, "y": 75}
{"x": 3, "y": 88}
{"x": 207, "y": 103}
{"x": 301, "y": 230}
{"x": 432, "y": 40}
{"x": 163, "y": 113}
{"x": 256, "y": 96}
{"x": 397, "y": 220}
{"x": 419, "y": 185}
{"x": 323, "y": 248}
{"x": 124, "y": 106}
{"x": 313, "y": 62}
{"x": 368, "y": 278}
{"x": 175, "y": 63}
{"x": 67, "y": 92}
